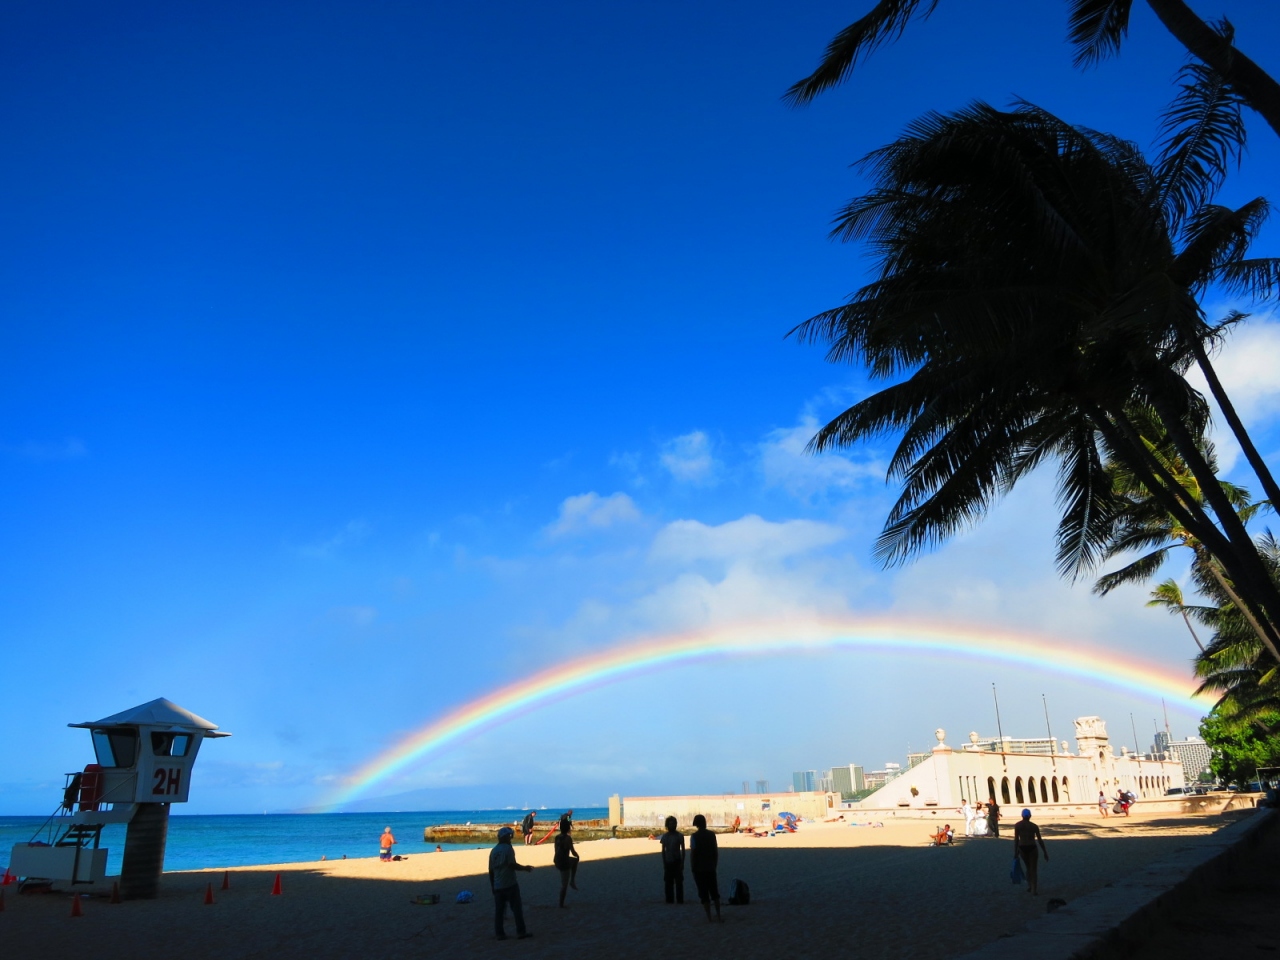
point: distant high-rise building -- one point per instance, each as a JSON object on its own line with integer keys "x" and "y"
{"x": 878, "y": 778}
{"x": 1037, "y": 746}
{"x": 804, "y": 781}
{"x": 848, "y": 780}
{"x": 1194, "y": 755}
{"x": 1160, "y": 748}
{"x": 915, "y": 759}
{"x": 762, "y": 786}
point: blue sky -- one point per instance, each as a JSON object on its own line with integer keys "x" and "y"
{"x": 358, "y": 358}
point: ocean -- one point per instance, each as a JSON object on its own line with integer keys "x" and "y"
{"x": 245, "y": 840}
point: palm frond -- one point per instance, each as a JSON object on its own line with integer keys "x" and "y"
{"x": 1096, "y": 28}
{"x": 883, "y": 24}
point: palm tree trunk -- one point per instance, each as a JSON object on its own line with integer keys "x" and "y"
{"x": 1251, "y": 454}
{"x": 1254, "y": 84}
{"x": 1187, "y": 621}
{"x": 1262, "y": 634}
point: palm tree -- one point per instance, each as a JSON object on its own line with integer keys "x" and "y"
{"x": 1096, "y": 30}
{"x": 1035, "y": 300}
{"x": 1168, "y": 594}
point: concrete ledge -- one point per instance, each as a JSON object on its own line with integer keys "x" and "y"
{"x": 1103, "y": 924}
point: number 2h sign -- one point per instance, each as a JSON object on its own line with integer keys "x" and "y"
{"x": 168, "y": 782}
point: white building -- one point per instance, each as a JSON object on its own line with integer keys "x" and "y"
{"x": 1194, "y": 755}
{"x": 977, "y": 773}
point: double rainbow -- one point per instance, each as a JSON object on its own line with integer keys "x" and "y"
{"x": 1103, "y": 668}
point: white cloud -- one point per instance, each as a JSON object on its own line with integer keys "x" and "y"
{"x": 786, "y": 464}
{"x": 1249, "y": 367}
{"x": 688, "y": 458}
{"x": 748, "y": 538}
{"x": 352, "y": 532}
{"x": 589, "y": 512}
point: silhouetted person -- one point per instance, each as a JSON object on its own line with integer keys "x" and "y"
{"x": 566, "y": 858}
{"x": 673, "y": 862}
{"x": 526, "y": 827}
{"x": 993, "y": 818}
{"x": 1025, "y": 837}
{"x": 704, "y": 857}
{"x": 502, "y": 881}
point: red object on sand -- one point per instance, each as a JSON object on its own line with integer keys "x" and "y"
{"x": 275, "y": 887}
{"x": 75, "y": 906}
{"x": 8, "y": 878}
{"x": 208, "y": 894}
{"x": 226, "y": 880}
{"x": 115, "y": 892}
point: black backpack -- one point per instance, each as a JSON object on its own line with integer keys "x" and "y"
{"x": 741, "y": 894}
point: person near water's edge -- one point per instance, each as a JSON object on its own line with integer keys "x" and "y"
{"x": 566, "y": 858}
{"x": 1025, "y": 837}
{"x": 502, "y": 881}
{"x": 526, "y": 827}
{"x": 673, "y": 862}
{"x": 704, "y": 858}
{"x": 386, "y": 843}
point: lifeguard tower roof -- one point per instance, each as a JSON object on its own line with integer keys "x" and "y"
{"x": 157, "y": 713}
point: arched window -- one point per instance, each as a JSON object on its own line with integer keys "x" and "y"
{"x": 1066, "y": 794}
{"x": 1054, "y": 783}
{"x": 991, "y": 789}
{"x": 1004, "y": 790}
{"x": 1031, "y": 789}
{"x": 1017, "y": 790}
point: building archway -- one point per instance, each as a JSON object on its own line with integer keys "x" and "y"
{"x": 1066, "y": 793}
{"x": 1004, "y": 791}
{"x": 991, "y": 789}
{"x": 1031, "y": 789}
{"x": 1044, "y": 791}
{"x": 1054, "y": 783}
{"x": 1017, "y": 790}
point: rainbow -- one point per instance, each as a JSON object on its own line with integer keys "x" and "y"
{"x": 1108, "y": 669}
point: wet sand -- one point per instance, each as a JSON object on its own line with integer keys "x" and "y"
{"x": 829, "y": 889}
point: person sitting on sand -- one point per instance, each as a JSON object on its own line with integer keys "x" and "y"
{"x": 673, "y": 862}
{"x": 502, "y": 881}
{"x": 737, "y": 824}
{"x": 387, "y": 842}
{"x": 566, "y": 858}
{"x": 704, "y": 859}
{"x": 1025, "y": 837}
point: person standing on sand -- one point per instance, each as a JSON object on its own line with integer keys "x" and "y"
{"x": 704, "y": 858}
{"x": 526, "y": 827}
{"x": 993, "y": 818}
{"x": 1102, "y": 804}
{"x": 1025, "y": 837}
{"x": 502, "y": 881}
{"x": 673, "y": 862}
{"x": 967, "y": 812}
{"x": 566, "y": 858}
{"x": 387, "y": 841}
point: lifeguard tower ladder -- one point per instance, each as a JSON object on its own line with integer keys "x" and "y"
{"x": 144, "y": 760}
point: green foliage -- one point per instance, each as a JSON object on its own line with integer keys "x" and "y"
{"x": 1240, "y": 749}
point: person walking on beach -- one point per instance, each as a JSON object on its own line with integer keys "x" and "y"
{"x": 387, "y": 841}
{"x": 1103, "y": 804}
{"x": 704, "y": 858}
{"x": 1025, "y": 837}
{"x": 502, "y": 881}
{"x": 566, "y": 858}
{"x": 673, "y": 862}
{"x": 993, "y": 818}
{"x": 526, "y": 827}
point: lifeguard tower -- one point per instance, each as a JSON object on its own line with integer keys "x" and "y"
{"x": 144, "y": 760}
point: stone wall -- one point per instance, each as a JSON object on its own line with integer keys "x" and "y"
{"x": 721, "y": 809}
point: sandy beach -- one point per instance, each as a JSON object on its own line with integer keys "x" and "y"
{"x": 829, "y": 888}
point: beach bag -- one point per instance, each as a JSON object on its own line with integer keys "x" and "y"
{"x": 740, "y": 895}
{"x": 1118, "y": 807}
{"x": 464, "y": 897}
{"x": 1015, "y": 872}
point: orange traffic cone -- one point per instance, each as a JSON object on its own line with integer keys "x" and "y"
{"x": 275, "y": 887}
{"x": 208, "y": 894}
{"x": 226, "y": 880}
{"x": 8, "y": 878}
{"x": 115, "y": 891}
{"x": 75, "y": 906}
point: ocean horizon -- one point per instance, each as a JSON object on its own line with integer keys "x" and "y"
{"x": 201, "y": 841}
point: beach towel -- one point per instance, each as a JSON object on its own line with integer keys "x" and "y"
{"x": 740, "y": 895}
{"x": 1015, "y": 872}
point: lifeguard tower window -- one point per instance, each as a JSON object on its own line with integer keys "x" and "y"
{"x": 116, "y": 748}
{"x": 170, "y": 744}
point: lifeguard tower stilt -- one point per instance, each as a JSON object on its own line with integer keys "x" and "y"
{"x": 145, "y": 756}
